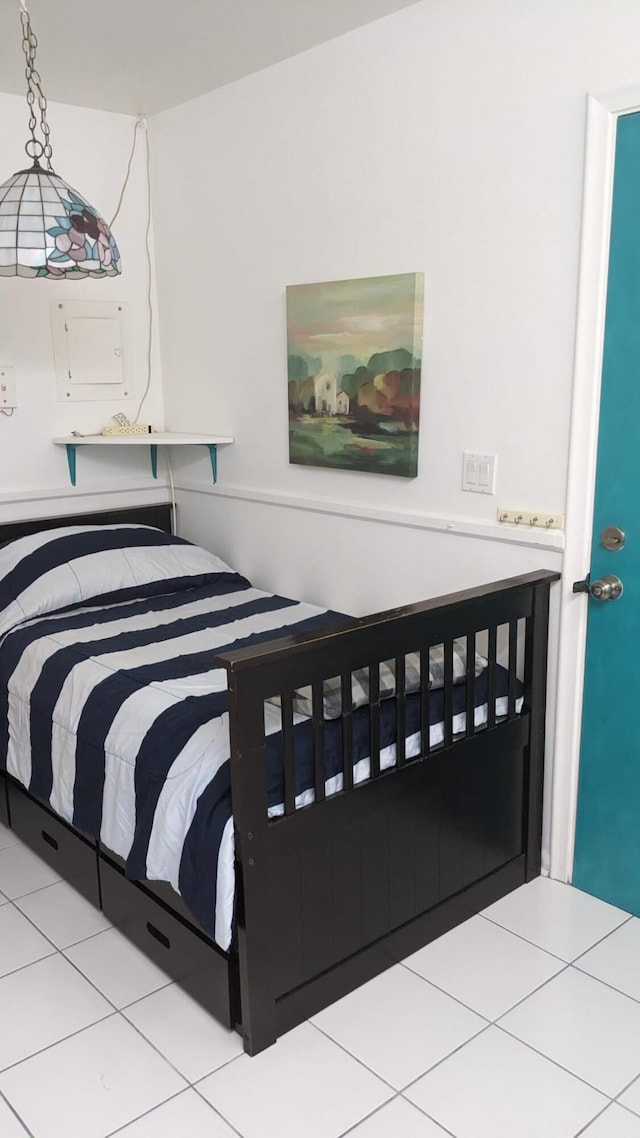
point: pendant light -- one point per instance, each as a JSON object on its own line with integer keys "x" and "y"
{"x": 47, "y": 229}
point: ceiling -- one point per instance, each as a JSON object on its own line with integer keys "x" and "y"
{"x": 142, "y": 56}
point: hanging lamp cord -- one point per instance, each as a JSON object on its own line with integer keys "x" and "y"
{"x": 35, "y": 148}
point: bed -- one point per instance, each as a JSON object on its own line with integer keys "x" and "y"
{"x": 275, "y": 801}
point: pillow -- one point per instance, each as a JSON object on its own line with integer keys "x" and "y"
{"x": 332, "y": 701}
{"x": 74, "y": 565}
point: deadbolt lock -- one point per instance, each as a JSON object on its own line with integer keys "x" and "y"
{"x": 613, "y": 538}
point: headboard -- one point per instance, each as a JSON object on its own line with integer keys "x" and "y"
{"x": 158, "y": 516}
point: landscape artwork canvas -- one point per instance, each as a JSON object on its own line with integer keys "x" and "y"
{"x": 354, "y": 359}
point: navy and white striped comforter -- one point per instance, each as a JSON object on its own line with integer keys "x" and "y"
{"x": 110, "y": 707}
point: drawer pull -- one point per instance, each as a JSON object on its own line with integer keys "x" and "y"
{"x": 157, "y": 935}
{"x": 49, "y": 840}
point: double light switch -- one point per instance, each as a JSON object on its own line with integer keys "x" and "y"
{"x": 479, "y": 472}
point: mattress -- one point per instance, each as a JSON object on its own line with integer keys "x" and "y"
{"x": 112, "y": 711}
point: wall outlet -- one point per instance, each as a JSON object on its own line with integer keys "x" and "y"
{"x": 527, "y": 519}
{"x": 8, "y": 387}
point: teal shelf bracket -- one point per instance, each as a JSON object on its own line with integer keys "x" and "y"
{"x": 213, "y": 454}
{"x": 71, "y": 460}
{"x": 153, "y": 455}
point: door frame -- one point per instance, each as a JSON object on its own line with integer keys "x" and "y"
{"x": 603, "y": 112}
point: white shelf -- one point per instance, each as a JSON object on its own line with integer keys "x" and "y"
{"x": 152, "y": 440}
{"x": 160, "y": 438}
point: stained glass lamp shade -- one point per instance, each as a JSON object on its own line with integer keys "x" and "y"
{"x": 49, "y": 230}
{"x": 46, "y": 228}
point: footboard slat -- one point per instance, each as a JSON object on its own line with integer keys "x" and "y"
{"x": 470, "y": 709}
{"x": 491, "y": 675}
{"x": 288, "y": 754}
{"x": 374, "y": 719}
{"x": 448, "y": 693}
{"x": 425, "y": 706}
{"x": 347, "y": 734}
{"x": 513, "y": 659}
{"x": 401, "y": 681}
{"x": 318, "y": 741}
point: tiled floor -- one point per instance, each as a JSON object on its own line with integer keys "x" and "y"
{"x": 522, "y": 1023}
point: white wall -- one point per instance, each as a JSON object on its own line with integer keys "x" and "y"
{"x": 448, "y": 138}
{"x": 91, "y": 150}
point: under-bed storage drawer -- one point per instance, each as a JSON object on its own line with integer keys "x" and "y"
{"x": 178, "y": 950}
{"x": 72, "y": 856}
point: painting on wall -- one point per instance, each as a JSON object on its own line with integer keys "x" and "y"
{"x": 354, "y": 357}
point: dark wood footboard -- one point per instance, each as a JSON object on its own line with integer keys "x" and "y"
{"x": 334, "y": 892}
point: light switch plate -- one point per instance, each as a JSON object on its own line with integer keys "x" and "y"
{"x": 8, "y": 395}
{"x": 479, "y": 472}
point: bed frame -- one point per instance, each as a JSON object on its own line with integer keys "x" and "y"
{"x": 330, "y": 895}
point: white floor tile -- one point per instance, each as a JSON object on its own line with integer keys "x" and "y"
{"x": 8, "y": 837}
{"x": 556, "y": 917}
{"x": 398, "y": 1119}
{"x": 185, "y": 1116}
{"x": 495, "y": 1087}
{"x": 20, "y": 943}
{"x": 585, "y": 1026}
{"x": 187, "y": 1036}
{"x": 9, "y": 1125}
{"x": 63, "y": 914}
{"x": 485, "y": 966}
{"x": 631, "y": 1097}
{"x": 615, "y": 960}
{"x": 303, "y": 1085}
{"x": 90, "y": 1085}
{"x": 22, "y": 871}
{"x": 399, "y": 1025}
{"x": 117, "y": 968}
{"x": 42, "y": 1004}
{"x": 614, "y": 1123}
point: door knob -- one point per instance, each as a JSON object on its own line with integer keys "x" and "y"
{"x": 607, "y": 588}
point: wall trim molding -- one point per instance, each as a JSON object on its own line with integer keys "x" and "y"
{"x": 120, "y": 488}
{"x": 412, "y": 519}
